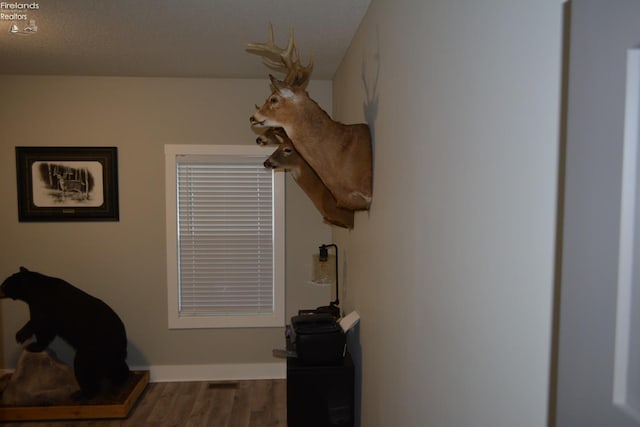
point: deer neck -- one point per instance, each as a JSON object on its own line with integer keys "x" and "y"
{"x": 295, "y": 172}
{"x": 305, "y": 176}
{"x": 310, "y": 120}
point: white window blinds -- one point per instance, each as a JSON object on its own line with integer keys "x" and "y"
{"x": 225, "y": 237}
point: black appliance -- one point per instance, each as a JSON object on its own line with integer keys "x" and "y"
{"x": 316, "y": 338}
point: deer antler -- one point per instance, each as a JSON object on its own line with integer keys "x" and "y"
{"x": 286, "y": 60}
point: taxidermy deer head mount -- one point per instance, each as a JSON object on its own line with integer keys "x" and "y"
{"x": 287, "y": 158}
{"x": 340, "y": 154}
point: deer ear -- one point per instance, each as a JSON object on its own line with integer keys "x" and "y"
{"x": 281, "y": 87}
{"x": 278, "y": 85}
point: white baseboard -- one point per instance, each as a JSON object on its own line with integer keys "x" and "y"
{"x": 223, "y": 372}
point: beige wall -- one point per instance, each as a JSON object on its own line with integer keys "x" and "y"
{"x": 452, "y": 269}
{"x": 124, "y": 262}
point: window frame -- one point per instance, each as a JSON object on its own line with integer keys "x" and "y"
{"x": 275, "y": 319}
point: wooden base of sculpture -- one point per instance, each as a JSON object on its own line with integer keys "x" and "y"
{"x": 116, "y": 405}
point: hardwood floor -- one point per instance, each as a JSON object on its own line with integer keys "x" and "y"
{"x": 256, "y": 403}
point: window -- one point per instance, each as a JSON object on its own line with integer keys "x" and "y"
{"x": 225, "y": 237}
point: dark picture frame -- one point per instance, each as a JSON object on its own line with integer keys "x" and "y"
{"x": 67, "y": 184}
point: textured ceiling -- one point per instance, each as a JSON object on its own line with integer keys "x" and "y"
{"x": 163, "y": 38}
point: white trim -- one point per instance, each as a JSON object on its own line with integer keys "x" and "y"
{"x": 218, "y": 372}
{"x": 625, "y": 392}
{"x": 275, "y": 319}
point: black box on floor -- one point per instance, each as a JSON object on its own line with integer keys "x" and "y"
{"x": 320, "y": 395}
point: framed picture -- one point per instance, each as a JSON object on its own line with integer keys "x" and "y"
{"x": 67, "y": 183}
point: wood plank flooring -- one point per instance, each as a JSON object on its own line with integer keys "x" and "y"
{"x": 255, "y": 403}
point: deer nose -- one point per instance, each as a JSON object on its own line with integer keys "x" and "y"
{"x": 267, "y": 164}
{"x": 255, "y": 122}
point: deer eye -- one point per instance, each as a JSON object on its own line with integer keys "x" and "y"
{"x": 274, "y": 100}
{"x": 288, "y": 150}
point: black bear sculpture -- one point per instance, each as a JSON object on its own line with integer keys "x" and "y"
{"x": 86, "y": 323}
